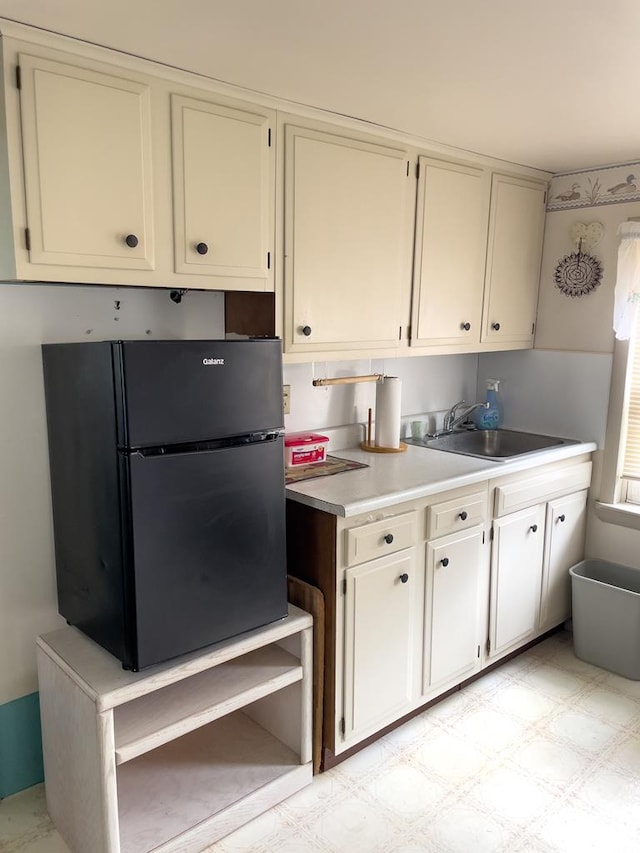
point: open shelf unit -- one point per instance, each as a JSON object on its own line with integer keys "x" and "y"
{"x": 179, "y": 755}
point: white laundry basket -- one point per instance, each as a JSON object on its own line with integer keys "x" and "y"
{"x": 606, "y": 616}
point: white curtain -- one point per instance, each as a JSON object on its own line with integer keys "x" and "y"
{"x": 627, "y": 292}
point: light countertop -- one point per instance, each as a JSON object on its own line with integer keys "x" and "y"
{"x": 418, "y": 472}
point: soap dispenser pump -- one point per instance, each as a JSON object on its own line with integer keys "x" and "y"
{"x": 490, "y": 417}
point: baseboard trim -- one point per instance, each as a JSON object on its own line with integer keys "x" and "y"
{"x": 20, "y": 745}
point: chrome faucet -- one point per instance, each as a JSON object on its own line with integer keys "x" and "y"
{"x": 452, "y": 418}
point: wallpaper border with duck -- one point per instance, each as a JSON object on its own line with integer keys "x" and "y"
{"x": 595, "y": 187}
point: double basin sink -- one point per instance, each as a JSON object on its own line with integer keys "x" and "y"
{"x": 493, "y": 444}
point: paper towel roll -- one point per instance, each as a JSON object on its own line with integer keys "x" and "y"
{"x": 388, "y": 393}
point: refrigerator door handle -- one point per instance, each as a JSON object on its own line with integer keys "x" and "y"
{"x": 208, "y": 446}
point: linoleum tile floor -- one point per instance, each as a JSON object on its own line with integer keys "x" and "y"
{"x": 540, "y": 755}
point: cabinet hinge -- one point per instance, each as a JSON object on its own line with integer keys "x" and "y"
{"x": 491, "y": 533}
{"x": 408, "y": 333}
{"x": 344, "y": 586}
{"x": 417, "y": 170}
{"x": 27, "y": 239}
{"x": 483, "y": 537}
{"x": 544, "y": 200}
{"x": 533, "y": 328}
{"x": 268, "y": 260}
{"x": 478, "y": 651}
{"x": 488, "y": 645}
{"x": 343, "y": 726}
{"x": 400, "y": 333}
{"x": 18, "y": 77}
{"x": 269, "y": 137}
{"x": 408, "y": 167}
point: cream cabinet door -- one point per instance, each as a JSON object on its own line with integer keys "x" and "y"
{"x": 514, "y": 252}
{"x": 564, "y": 547}
{"x": 223, "y": 185}
{"x": 516, "y": 577}
{"x": 455, "y": 622}
{"x": 348, "y": 242}
{"x": 87, "y": 166}
{"x": 450, "y": 251}
{"x": 383, "y": 603}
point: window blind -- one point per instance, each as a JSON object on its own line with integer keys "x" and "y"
{"x": 631, "y": 464}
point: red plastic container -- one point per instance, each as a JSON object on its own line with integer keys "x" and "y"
{"x": 304, "y": 448}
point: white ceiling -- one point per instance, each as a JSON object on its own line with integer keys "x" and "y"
{"x": 546, "y": 83}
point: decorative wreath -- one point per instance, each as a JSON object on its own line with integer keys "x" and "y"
{"x": 578, "y": 274}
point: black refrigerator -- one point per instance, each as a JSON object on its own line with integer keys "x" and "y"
{"x": 167, "y": 484}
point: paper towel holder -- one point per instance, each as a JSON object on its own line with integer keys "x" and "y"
{"x": 368, "y": 443}
{"x": 370, "y": 447}
{"x": 348, "y": 380}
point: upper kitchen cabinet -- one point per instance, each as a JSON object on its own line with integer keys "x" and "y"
{"x": 348, "y": 233}
{"x": 223, "y": 192}
{"x": 120, "y": 171}
{"x": 450, "y": 249}
{"x": 516, "y": 229}
{"x": 86, "y": 141}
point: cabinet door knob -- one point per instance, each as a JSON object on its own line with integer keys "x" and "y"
{"x": 534, "y": 528}
{"x": 388, "y": 538}
{"x": 202, "y": 248}
{"x": 495, "y": 327}
{"x": 561, "y": 517}
{"x": 465, "y": 326}
{"x": 404, "y": 577}
{"x": 444, "y": 562}
{"x": 131, "y": 240}
{"x": 306, "y": 331}
{"x": 463, "y": 515}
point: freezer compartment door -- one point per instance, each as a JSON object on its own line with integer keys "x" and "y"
{"x": 188, "y": 391}
{"x": 209, "y": 546}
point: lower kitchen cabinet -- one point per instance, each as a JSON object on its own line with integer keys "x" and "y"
{"x": 398, "y": 630}
{"x": 457, "y": 572}
{"x": 419, "y": 597}
{"x": 533, "y": 548}
{"x": 174, "y": 758}
{"x": 516, "y": 576}
{"x": 566, "y": 521}
{"x": 382, "y": 622}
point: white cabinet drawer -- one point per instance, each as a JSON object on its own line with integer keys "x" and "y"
{"x": 380, "y": 537}
{"x": 532, "y": 490}
{"x": 456, "y": 514}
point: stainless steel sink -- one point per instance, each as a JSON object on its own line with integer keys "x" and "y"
{"x": 496, "y": 444}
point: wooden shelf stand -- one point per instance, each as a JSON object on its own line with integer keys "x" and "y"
{"x": 177, "y": 756}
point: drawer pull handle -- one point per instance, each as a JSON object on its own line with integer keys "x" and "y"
{"x": 495, "y": 327}
{"x": 463, "y": 516}
{"x": 131, "y": 240}
{"x": 561, "y": 517}
{"x": 404, "y": 577}
{"x": 202, "y": 248}
{"x": 388, "y": 538}
{"x": 534, "y": 528}
{"x": 306, "y": 331}
{"x": 444, "y": 562}
{"x": 465, "y": 326}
